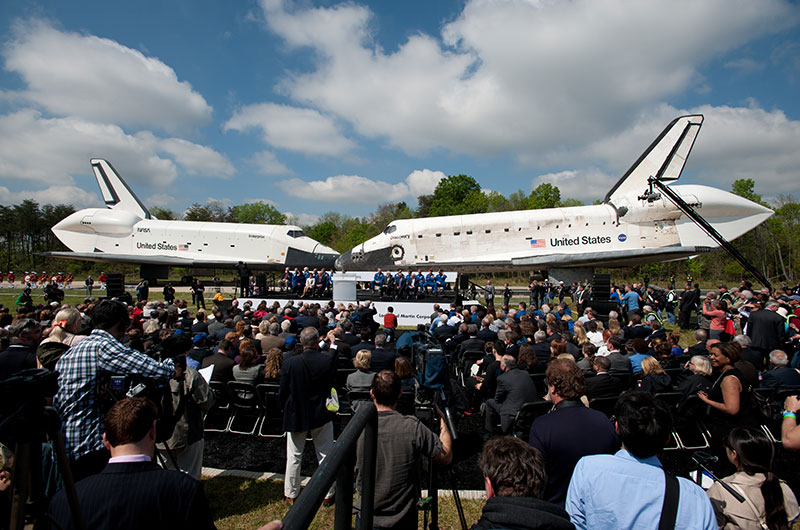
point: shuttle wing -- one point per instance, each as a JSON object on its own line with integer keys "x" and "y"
{"x": 116, "y": 193}
{"x": 157, "y": 260}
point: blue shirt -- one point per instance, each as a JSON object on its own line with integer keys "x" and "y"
{"x": 636, "y": 361}
{"x": 631, "y": 300}
{"x": 622, "y": 491}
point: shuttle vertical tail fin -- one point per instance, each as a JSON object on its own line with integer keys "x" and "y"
{"x": 116, "y": 192}
{"x": 664, "y": 159}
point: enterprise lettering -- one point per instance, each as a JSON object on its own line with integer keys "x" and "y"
{"x": 579, "y": 240}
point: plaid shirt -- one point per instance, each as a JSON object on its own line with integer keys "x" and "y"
{"x": 82, "y": 369}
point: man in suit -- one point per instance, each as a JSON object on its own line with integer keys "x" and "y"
{"x": 473, "y": 343}
{"x": 132, "y": 492}
{"x": 514, "y": 388}
{"x": 306, "y": 382}
{"x": 603, "y": 384}
{"x": 766, "y": 328}
{"x": 382, "y": 358}
{"x": 570, "y": 431}
{"x": 781, "y": 375}
{"x": 348, "y": 336}
{"x": 486, "y": 334}
{"x": 700, "y": 347}
{"x": 620, "y": 365}
{"x": 541, "y": 347}
{"x": 223, "y": 364}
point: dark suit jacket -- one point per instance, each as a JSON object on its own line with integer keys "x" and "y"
{"x": 602, "y": 385}
{"x": 471, "y": 344}
{"x": 486, "y": 335}
{"x": 619, "y": 363}
{"x": 542, "y": 351}
{"x": 766, "y": 329}
{"x": 780, "y": 377}
{"x": 382, "y": 359}
{"x": 351, "y": 339}
{"x": 514, "y": 388}
{"x": 137, "y": 495}
{"x": 223, "y": 367}
{"x": 303, "y": 394}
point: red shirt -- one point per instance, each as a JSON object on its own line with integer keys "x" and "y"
{"x": 390, "y": 321}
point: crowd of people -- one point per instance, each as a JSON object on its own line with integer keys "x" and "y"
{"x": 568, "y": 469}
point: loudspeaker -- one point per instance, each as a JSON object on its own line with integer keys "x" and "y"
{"x": 603, "y": 308}
{"x": 601, "y": 287}
{"x": 115, "y": 285}
{"x": 261, "y": 283}
{"x": 463, "y": 282}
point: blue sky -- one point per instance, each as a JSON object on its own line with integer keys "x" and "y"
{"x": 329, "y": 106}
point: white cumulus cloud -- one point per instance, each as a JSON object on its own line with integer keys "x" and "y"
{"x": 362, "y": 190}
{"x": 97, "y": 79}
{"x": 514, "y": 77}
{"x": 296, "y": 129}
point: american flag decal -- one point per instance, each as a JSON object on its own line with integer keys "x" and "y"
{"x": 183, "y": 247}
{"x": 538, "y": 243}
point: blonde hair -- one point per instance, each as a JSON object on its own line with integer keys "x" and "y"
{"x": 362, "y": 359}
{"x": 580, "y": 336}
{"x": 651, "y": 366}
{"x": 701, "y": 364}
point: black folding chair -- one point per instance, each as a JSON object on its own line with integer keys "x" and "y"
{"x": 218, "y": 416}
{"x": 604, "y": 404}
{"x": 672, "y": 400}
{"x": 526, "y": 415}
{"x": 272, "y": 420}
{"x": 246, "y": 407}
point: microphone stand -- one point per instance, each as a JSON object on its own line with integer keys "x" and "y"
{"x": 701, "y": 458}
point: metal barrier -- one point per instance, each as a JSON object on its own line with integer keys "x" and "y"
{"x": 339, "y": 465}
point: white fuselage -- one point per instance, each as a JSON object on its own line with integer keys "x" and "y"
{"x": 108, "y": 232}
{"x": 648, "y": 231}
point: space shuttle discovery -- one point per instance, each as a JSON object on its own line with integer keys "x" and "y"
{"x": 126, "y": 232}
{"x": 637, "y": 223}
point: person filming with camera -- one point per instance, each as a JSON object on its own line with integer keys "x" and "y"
{"x": 83, "y": 370}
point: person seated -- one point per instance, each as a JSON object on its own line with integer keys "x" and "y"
{"x": 587, "y": 355}
{"x": 272, "y": 366}
{"x": 628, "y": 489}
{"x": 132, "y": 492}
{"x": 602, "y": 384}
{"x": 382, "y": 357}
{"x": 637, "y": 351}
{"x": 780, "y": 375}
{"x": 769, "y": 502}
{"x": 655, "y": 379}
{"x": 699, "y": 347}
{"x": 514, "y": 479}
{"x": 361, "y": 379}
{"x": 248, "y": 370}
{"x": 514, "y": 388}
{"x": 698, "y": 378}
{"x": 528, "y": 361}
{"x": 404, "y": 370}
{"x": 570, "y": 431}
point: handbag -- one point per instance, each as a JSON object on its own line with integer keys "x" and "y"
{"x": 730, "y": 328}
{"x": 332, "y": 400}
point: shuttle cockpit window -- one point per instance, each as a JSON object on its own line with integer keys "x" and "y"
{"x": 389, "y": 229}
{"x": 295, "y": 233}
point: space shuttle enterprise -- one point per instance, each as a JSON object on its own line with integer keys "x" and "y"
{"x": 126, "y": 232}
{"x": 641, "y": 220}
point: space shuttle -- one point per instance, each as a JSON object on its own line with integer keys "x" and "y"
{"x": 642, "y": 220}
{"x": 126, "y": 232}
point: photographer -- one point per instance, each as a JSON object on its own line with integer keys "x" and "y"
{"x": 190, "y": 397}
{"x": 83, "y": 370}
{"x": 401, "y": 441}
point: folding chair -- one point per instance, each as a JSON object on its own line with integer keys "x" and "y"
{"x": 604, "y": 404}
{"x": 218, "y": 416}
{"x": 245, "y": 404}
{"x": 272, "y": 421}
{"x": 526, "y": 415}
{"x": 672, "y": 400}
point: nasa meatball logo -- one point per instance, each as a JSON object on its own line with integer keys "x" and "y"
{"x": 622, "y": 238}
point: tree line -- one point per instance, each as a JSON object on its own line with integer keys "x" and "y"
{"x": 773, "y": 247}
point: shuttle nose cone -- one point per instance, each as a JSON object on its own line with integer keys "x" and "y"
{"x": 344, "y": 261}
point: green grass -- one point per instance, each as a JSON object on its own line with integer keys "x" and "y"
{"x": 239, "y": 503}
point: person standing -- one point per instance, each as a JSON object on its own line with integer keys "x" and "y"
{"x": 506, "y": 296}
{"x": 89, "y": 285}
{"x": 306, "y": 382}
{"x": 489, "y": 294}
{"x": 198, "y": 289}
